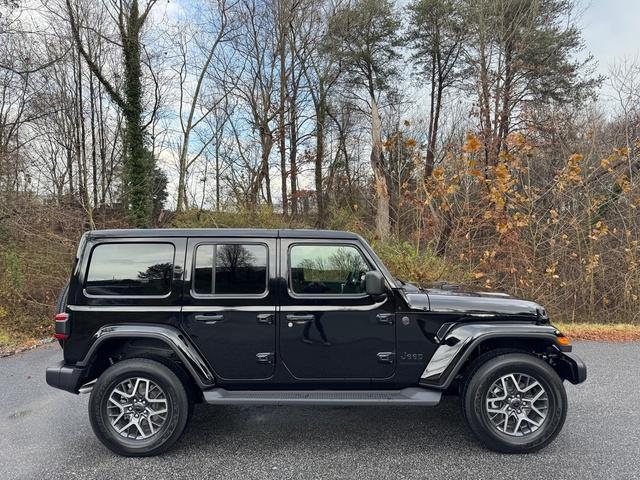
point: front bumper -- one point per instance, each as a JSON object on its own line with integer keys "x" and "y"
{"x": 571, "y": 367}
{"x": 65, "y": 377}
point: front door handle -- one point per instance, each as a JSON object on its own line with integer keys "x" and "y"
{"x": 209, "y": 319}
{"x": 386, "y": 318}
{"x": 386, "y": 357}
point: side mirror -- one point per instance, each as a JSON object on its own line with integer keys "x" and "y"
{"x": 374, "y": 283}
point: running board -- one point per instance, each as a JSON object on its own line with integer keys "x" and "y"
{"x": 406, "y": 396}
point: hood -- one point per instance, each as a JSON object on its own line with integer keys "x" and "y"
{"x": 468, "y": 302}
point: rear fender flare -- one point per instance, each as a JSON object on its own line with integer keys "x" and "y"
{"x": 171, "y": 336}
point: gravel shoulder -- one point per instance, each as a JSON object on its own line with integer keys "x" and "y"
{"x": 45, "y": 433}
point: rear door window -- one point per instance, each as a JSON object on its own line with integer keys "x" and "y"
{"x": 130, "y": 269}
{"x": 230, "y": 269}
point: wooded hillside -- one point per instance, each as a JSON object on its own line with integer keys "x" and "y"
{"x": 464, "y": 138}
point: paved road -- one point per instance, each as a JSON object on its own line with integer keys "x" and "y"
{"x": 45, "y": 433}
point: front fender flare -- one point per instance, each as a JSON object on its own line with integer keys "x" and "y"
{"x": 459, "y": 342}
{"x": 174, "y": 338}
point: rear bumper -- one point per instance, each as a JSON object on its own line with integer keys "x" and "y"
{"x": 65, "y": 377}
{"x": 572, "y": 368}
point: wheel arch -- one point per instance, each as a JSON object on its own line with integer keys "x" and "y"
{"x": 466, "y": 342}
{"x": 159, "y": 342}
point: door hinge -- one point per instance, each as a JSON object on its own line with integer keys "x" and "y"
{"x": 386, "y": 357}
{"x": 386, "y": 318}
{"x": 265, "y": 318}
{"x": 265, "y": 357}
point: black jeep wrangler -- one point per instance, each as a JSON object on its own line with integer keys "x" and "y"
{"x": 154, "y": 321}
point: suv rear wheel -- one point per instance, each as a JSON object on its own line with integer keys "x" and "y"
{"x": 514, "y": 403}
{"x": 138, "y": 407}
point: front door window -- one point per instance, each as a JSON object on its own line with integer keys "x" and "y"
{"x": 327, "y": 270}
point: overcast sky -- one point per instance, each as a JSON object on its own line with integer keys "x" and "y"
{"x": 611, "y": 30}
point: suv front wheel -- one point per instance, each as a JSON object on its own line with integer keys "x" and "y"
{"x": 514, "y": 402}
{"x": 138, "y": 407}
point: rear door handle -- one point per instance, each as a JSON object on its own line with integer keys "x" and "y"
{"x": 209, "y": 319}
{"x": 300, "y": 319}
{"x": 265, "y": 318}
{"x": 264, "y": 357}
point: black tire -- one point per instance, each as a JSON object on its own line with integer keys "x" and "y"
{"x": 61, "y": 303}
{"x": 178, "y": 406}
{"x": 481, "y": 376}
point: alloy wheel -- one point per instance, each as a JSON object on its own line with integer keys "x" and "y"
{"x": 517, "y": 404}
{"x": 137, "y": 408}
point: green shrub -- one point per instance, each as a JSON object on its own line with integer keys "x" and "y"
{"x": 419, "y": 266}
{"x": 12, "y": 276}
{"x": 263, "y": 217}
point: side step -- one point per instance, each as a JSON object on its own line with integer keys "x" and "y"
{"x": 406, "y": 396}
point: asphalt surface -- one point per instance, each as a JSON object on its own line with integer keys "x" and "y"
{"x": 45, "y": 433}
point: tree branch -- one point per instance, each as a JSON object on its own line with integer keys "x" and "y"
{"x": 35, "y": 69}
{"x": 97, "y": 71}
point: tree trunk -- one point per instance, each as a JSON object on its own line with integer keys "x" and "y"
{"x": 70, "y": 170}
{"x": 281, "y": 115}
{"x": 293, "y": 146}
{"x": 428, "y": 166}
{"x": 379, "y": 173}
{"x": 445, "y": 233}
{"x": 81, "y": 153}
{"x": 266, "y": 144}
{"x": 217, "y": 176}
{"x": 94, "y": 154}
{"x": 433, "y": 138}
{"x": 503, "y": 130}
{"x": 138, "y": 165}
{"x": 103, "y": 150}
{"x": 321, "y": 116}
{"x": 182, "y": 174}
{"x": 485, "y": 109}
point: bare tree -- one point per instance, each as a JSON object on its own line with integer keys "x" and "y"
{"x": 508, "y": 42}
{"x": 436, "y": 34}
{"x": 207, "y": 46}
{"x": 364, "y": 34}
{"x": 321, "y": 71}
{"x": 130, "y": 20}
{"x": 254, "y": 83}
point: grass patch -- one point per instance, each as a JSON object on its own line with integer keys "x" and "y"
{"x": 10, "y": 342}
{"x": 603, "y": 332}
{"x": 7, "y": 342}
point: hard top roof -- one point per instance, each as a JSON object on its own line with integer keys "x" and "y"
{"x": 223, "y": 232}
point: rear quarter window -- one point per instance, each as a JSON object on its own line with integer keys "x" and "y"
{"x": 130, "y": 269}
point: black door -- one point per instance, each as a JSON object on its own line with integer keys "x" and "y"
{"x": 229, "y": 309}
{"x": 329, "y": 327}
